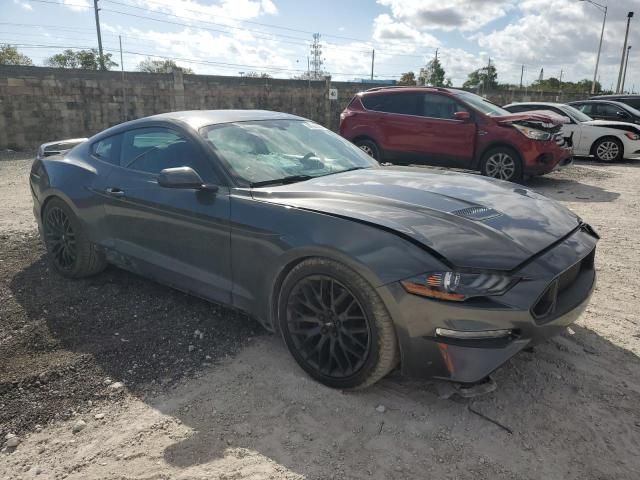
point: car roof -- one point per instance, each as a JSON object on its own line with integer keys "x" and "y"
{"x": 619, "y": 104}
{"x": 410, "y": 89}
{"x": 200, "y": 118}
{"x": 604, "y": 97}
{"x": 545, "y": 104}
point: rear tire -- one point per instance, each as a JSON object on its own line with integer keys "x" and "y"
{"x": 502, "y": 163}
{"x": 70, "y": 251}
{"x": 608, "y": 149}
{"x": 370, "y": 148}
{"x": 335, "y": 325}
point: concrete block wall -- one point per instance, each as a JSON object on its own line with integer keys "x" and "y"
{"x": 39, "y": 104}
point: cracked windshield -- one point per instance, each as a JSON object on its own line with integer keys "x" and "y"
{"x": 281, "y": 151}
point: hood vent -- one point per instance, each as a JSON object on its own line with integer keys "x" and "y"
{"x": 477, "y": 213}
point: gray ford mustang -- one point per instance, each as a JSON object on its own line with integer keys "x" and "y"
{"x": 360, "y": 267}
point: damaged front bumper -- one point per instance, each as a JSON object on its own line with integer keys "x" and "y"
{"x": 555, "y": 290}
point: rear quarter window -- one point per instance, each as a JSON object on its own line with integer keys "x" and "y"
{"x": 108, "y": 149}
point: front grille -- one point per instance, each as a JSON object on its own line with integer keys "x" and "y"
{"x": 554, "y": 300}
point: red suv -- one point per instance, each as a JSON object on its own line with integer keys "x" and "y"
{"x": 453, "y": 128}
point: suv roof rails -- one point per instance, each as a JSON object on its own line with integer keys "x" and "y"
{"x": 375, "y": 89}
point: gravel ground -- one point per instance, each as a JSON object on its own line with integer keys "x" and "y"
{"x": 116, "y": 377}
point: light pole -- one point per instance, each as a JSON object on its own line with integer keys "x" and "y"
{"x": 603, "y": 9}
{"x": 624, "y": 51}
{"x": 626, "y": 64}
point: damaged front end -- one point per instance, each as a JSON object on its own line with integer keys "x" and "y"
{"x": 543, "y": 126}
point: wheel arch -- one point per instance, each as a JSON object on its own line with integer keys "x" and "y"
{"x": 495, "y": 144}
{"x": 294, "y": 258}
{"x": 592, "y": 148}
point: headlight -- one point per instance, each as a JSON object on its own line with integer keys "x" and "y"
{"x": 458, "y": 286}
{"x": 532, "y": 132}
{"x": 632, "y": 136}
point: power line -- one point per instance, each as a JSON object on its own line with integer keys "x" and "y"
{"x": 301, "y": 41}
{"x": 194, "y": 61}
{"x": 268, "y": 25}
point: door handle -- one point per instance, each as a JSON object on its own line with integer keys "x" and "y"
{"x": 114, "y": 192}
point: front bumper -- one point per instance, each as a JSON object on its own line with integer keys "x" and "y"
{"x": 427, "y": 355}
{"x": 543, "y": 157}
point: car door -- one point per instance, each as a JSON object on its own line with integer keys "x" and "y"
{"x": 178, "y": 236}
{"x": 395, "y": 122}
{"x": 445, "y": 140}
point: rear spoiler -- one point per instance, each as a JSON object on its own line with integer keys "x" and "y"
{"x": 59, "y": 147}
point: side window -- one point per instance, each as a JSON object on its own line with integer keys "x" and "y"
{"x": 153, "y": 149}
{"x": 585, "y": 108}
{"x": 377, "y": 103}
{"x": 607, "y": 110}
{"x": 108, "y": 149}
{"x": 404, "y": 103}
{"x": 401, "y": 103}
{"x": 439, "y": 106}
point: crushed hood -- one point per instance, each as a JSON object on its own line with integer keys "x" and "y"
{"x": 470, "y": 220}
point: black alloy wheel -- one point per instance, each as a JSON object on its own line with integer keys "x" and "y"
{"x": 60, "y": 239}
{"x": 328, "y": 326}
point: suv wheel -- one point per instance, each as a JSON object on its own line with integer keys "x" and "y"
{"x": 502, "y": 163}
{"x": 369, "y": 147}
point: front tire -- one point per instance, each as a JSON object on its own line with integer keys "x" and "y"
{"x": 70, "y": 251}
{"x": 608, "y": 150}
{"x": 502, "y": 163}
{"x": 335, "y": 325}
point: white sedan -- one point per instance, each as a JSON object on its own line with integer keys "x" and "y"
{"x": 607, "y": 141}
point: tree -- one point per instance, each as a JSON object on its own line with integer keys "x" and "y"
{"x": 81, "y": 59}
{"x": 257, "y": 75}
{"x": 552, "y": 84}
{"x": 433, "y": 74}
{"x": 408, "y": 78}
{"x": 11, "y": 56}
{"x": 161, "y": 66}
{"x": 485, "y": 77}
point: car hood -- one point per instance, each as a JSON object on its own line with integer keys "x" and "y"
{"x": 471, "y": 221}
{"x": 542, "y": 117}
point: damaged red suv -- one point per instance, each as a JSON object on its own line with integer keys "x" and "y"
{"x": 453, "y": 128}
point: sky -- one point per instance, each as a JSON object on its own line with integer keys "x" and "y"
{"x": 273, "y": 36}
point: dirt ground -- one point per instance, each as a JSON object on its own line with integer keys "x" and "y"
{"x": 116, "y": 377}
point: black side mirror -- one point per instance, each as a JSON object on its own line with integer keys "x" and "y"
{"x": 621, "y": 114}
{"x": 183, "y": 177}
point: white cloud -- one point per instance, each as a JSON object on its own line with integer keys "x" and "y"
{"x": 25, "y": 5}
{"x": 561, "y": 35}
{"x": 386, "y": 30}
{"x": 77, "y": 5}
{"x": 465, "y": 15}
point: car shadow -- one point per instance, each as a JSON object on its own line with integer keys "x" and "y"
{"x": 561, "y": 188}
{"x": 560, "y": 403}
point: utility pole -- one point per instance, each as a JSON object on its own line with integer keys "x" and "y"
{"x": 486, "y": 77}
{"x": 624, "y": 51}
{"x": 373, "y": 57}
{"x": 521, "y": 75}
{"x": 124, "y": 90}
{"x": 626, "y": 64}
{"x": 316, "y": 56}
{"x": 96, "y": 9}
{"x": 603, "y": 9}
